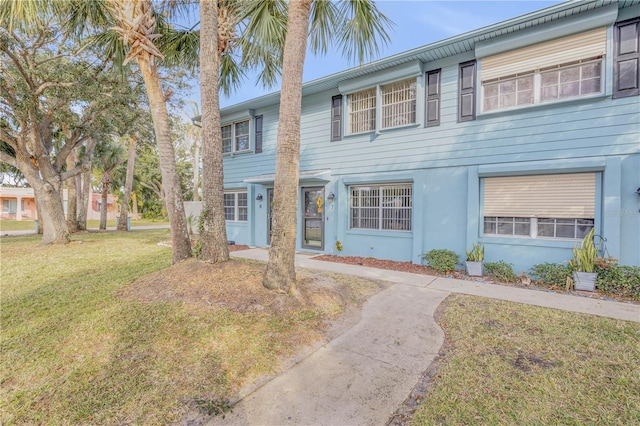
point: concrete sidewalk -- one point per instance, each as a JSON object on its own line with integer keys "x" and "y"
{"x": 566, "y": 302}
{"x": 364, "y": 375}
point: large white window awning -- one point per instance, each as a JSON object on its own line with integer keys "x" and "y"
{"x": 310, "y": 176}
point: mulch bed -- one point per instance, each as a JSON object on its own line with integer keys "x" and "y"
{"x": 238, "y": 247}
{"x": 459, "y": 274}
{"x": 392, "y": 265}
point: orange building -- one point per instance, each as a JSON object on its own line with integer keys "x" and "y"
{"x": 20, "y": 204}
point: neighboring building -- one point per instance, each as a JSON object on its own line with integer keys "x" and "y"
{"x": 522, "y": 136}
{"x": 20, "y": 204}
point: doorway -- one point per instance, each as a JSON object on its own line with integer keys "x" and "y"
{"x": 313, "y": 218}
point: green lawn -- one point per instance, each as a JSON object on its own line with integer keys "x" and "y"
{"x": 514, "y": 364}
{"x": 27, "y": 225}
{"x": 72, "y": 351}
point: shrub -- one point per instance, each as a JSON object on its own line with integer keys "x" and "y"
{"x": 550, "y": 274}
{"x": 441, "y": 260}
{"x": 501, "y": 271}
{"x": 619, "y": 280}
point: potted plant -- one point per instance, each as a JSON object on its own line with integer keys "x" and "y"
{"x": 475, "y": 258}
{"x": 583, "y": 264}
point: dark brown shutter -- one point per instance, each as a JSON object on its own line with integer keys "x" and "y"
{"x": 433, "y": 98}
{"x": 336, "y": 118}
{"x": 258, "y": 132}
{"x": 467, "y": 90}
{"x": 626, "y": 61}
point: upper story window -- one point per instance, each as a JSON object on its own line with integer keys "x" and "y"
{"x": 555, "y": 70}
{"x": 571, "y": 80}
{"x": 397, "y": 103}
{"x": 507, "y": 93}
{"x": 362, "y": 111}
{"x": 550, "y": 84}
{"x": 235, "y": 137}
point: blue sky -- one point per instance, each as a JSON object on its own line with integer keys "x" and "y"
{"x": 416, "y": 23}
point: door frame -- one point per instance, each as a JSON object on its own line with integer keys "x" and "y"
{"x": 304, "y": 218}
{"x": 269, "y": 214}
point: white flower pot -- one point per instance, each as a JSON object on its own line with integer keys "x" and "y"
{"x": 585, "y": 281}
{"x": 475, "y": 269}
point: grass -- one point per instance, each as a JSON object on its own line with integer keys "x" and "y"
{"x": 28, "y": 225}
{"x": 72, "y": 351}
{"x": 508, "y": 364}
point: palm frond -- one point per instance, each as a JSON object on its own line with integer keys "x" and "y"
{"x": 231, "y": 74}
{"x": 323, "y": 22}
{"x": 28, "y": 14}
{"x": 83, "y": 15}
{"x": 362, "y": 30}
{"x": 180, "y": 48}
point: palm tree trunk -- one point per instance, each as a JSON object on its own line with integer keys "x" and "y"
{"x": 85, "y": 189}
{"x": 106, "y": 183}
{"x": 128, "y": 184}
{"x": 196, "y": 170}
{"x": 173, "y": 192}
{"x": 281, "y": 274}
{"x": 214, "y": 236}
{"x": 84, "y": 200}
{"x": 72, "y": 206}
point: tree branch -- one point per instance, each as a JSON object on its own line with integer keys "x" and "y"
{"x": 45, "y": 86}
{"x": 6, "y": 158}
{"x": 18, "y": 65}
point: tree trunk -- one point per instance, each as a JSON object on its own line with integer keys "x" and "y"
{"x": 51, "y": 212}
{"x": 134, "y": 205}
{"x": 214, "y": 236}
{"x": 281, "y": 274}
{"x": 173, "y": 192}
{"x": 106, "y": 184}
{"x": 83, "y": 211}
{"x": 85, "y": 189}
{"x": 128, "y": 184}
{"x": 196, "y": 170}
{"x": 72, "y": 203}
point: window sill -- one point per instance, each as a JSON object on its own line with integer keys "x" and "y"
{"x": 380, "y": 233}
{"x": 233, "y": 154}
{"x": 383, "y": 131}
{"x": 392, "y": 129}
{"x": 237, "y": 222}
{"x": 515, "y": 110}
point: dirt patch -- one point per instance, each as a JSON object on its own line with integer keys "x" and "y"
{"x": 526, "y": 362}
{"x": 237, "y": 285}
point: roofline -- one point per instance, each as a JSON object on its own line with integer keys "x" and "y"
{"x": 480, "y": 34}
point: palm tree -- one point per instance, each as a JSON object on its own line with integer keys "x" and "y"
{"x": 128, "y": 182}
{"x": 357, "y": 25}
{"x": 214, "y": 234}
{"x": 109, "y": 157}
{"x": 137, "y": 29}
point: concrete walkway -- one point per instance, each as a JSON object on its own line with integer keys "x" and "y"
{"x": 364, "y": 375}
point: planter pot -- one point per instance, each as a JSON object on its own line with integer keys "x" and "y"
{"x": 475, "y": 269}
{"x": 585, "y": 281}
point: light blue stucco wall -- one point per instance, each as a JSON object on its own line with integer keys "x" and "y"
{"x": 446, "y": 166}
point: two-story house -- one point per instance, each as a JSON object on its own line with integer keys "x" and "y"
{"x": 522, "y": 136}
